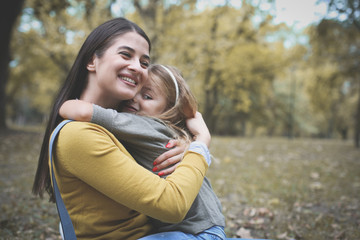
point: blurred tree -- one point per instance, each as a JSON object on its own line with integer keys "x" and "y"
{"x": 44, "y": 48}
{"x": 151, "y": 15}
{"x": 335, "y": 75}
{"x": 225, "y": 57}
{"x": 158, "y": 17}
{"x": 229, "y": 55}
{"x": 349, "y": 15}
{"x": 291, "y": 96}
{"x": 348, "y": 8}
{"x": 9, "y": 12}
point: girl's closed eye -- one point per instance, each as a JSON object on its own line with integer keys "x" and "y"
{"x": 147, "y": 97}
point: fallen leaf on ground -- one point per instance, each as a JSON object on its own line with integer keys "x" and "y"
{"x": 257, "y": 221}
{"x": 282, "y": 236}
{"x": 244, "y": 233}
{"x": 316, "y": 186}
{"x": 274, "y": 201}
{"x": 315, "y": 175}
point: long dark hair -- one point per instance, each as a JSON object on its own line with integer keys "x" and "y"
{"x": 98, "y": 41}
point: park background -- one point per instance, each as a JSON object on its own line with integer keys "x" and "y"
{"x": 281, "y": 98}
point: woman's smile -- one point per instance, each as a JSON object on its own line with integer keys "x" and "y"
{"x": 129, "y": 80}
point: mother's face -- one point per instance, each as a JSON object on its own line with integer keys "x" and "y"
{"x": 120, "y": 73}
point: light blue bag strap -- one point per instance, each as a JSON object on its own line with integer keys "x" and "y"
{"x": 68, "y": 229}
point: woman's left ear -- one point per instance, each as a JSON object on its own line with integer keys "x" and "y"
{"x": 91, "y": 65}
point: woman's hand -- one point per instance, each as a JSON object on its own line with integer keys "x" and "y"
{"x": 198, "y": 128}
{"x": 170, "y": 158}
{"x": 76, "y": 110}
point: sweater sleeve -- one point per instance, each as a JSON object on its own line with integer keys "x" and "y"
{"x": 138, "y": 131}
{"x": 94, "y": 156}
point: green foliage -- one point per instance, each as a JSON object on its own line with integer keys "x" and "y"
{"x": 224, "y": 56}
{"x": 348, "y": 8}
{"x": 246, "y": 82}
{"x": 44, "y": 53}
{"x": 334, "y": 76}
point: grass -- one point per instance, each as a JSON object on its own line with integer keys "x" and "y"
{"x": 269, "y": 188}
{"x": 23, "y": 216}
{"x": 288, "y": 189}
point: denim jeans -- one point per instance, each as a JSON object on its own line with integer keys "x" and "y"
{"x": 213, "y": 233}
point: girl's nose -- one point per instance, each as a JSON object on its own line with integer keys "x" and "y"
{"x": 136, "y": 98}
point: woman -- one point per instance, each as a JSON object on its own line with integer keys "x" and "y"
{"x": 106, "y": 193}
{"x": 158, "y": 114}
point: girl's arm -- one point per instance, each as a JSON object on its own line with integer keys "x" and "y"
{"x": 76, "y": 110}
{"x": 145, "y": 138}
{"x": 198, "y": 128}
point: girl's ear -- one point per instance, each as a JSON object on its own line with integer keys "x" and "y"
{"x": 91, "y": 65}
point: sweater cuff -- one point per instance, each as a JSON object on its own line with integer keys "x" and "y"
{"x": 201, "y": 148}
{"x": 96, "y": 113}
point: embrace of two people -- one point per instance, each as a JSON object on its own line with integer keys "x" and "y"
{"x": 132, "y": 165}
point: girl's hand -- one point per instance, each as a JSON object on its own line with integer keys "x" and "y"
{"x": 198, "y": 128}
{"x": 170, "y": 158}
{"x": 76, "y": 110}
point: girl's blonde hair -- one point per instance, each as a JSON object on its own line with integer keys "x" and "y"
{"x": 177, "y": 110}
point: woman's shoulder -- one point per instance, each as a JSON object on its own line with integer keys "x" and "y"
{"x": 78, "y": 126}
{"x": 76, "y": 131}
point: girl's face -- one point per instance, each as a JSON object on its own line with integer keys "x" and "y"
{"x": 150, "y": 101}
{"x": 120, "y": 73}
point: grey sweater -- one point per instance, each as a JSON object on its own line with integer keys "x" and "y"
{"x": 145, "y": 139}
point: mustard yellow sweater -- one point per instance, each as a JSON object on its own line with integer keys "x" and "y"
{"x": 108, "y": 195}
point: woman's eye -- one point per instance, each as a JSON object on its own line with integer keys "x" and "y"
{"x": 145, "y": 64}
{"x": 126, "y": 54}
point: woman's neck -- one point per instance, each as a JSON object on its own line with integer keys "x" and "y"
{"x": 99, "y": 98}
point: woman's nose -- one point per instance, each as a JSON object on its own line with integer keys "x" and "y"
{"x": 135, "y": 66}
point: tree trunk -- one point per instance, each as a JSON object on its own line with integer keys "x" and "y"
{"x": 148, "y": 13}
{"x": 357, "y": 120}
{"x": 209, "y": 92}
{"x": 9, "y": 11}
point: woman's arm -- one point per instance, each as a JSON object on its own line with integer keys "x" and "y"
{"x": 135, "y": 131}
{"x": 94, "y": 156}
{"x": 166, "y": 162}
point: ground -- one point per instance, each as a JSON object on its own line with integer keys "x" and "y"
{"x": 271, "y": 188}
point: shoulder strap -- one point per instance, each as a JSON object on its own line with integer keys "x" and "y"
{"x": 68, "y": 229}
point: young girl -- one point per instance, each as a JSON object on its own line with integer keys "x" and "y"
{"x": 159, "y": 112}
